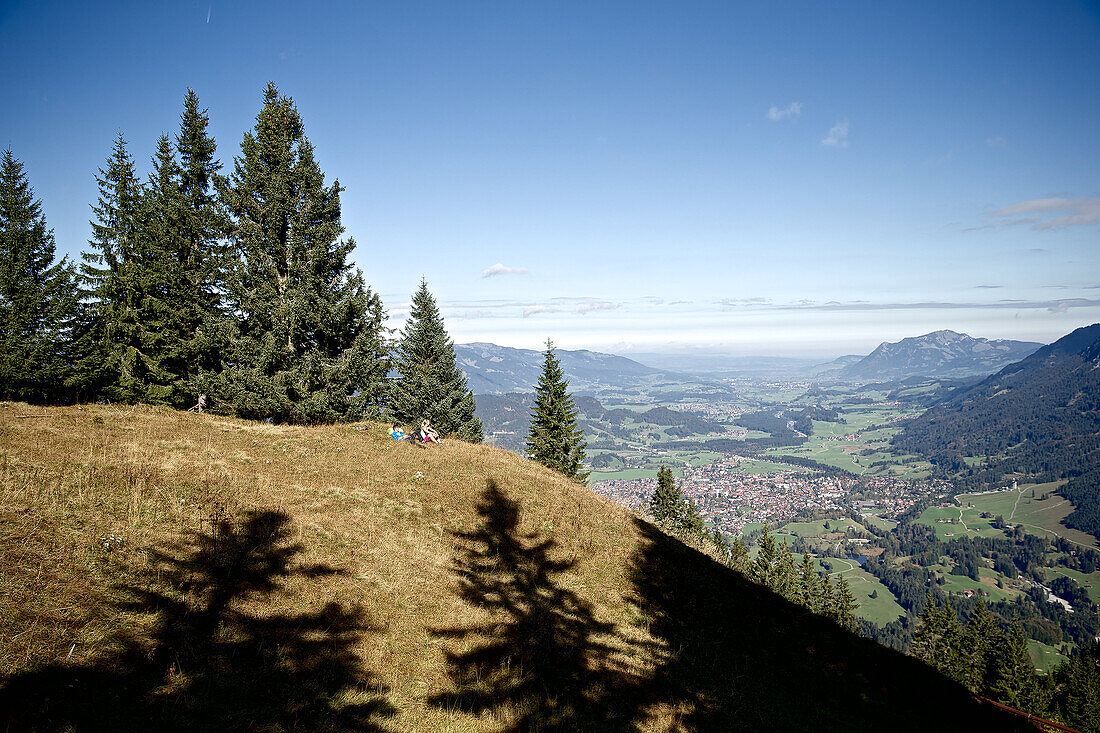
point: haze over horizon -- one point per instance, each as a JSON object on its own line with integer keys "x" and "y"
{"x": 797, "y": 179}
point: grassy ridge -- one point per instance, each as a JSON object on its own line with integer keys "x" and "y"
{"x": 187, "y": 572}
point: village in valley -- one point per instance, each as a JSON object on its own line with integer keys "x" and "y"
{"x": 731, "y": 496}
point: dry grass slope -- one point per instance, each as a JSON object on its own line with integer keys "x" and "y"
{"x": 173, "y": 571}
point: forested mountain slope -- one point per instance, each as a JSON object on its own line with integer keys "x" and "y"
{"x": 1039, "y": 416}
{"x": 492, "y": 369}
{"x": 171, "y": 571}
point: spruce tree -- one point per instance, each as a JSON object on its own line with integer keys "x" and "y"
{"x": 825, "y": 600}
{"x": 952, "y": 659}
{"x": 107, "y": 360}
{"x": 928, "y": 633}
{"x": 664, "y": 504}
{"x": 308, "y": 346}
{"x": 762, "y": 568}
{"x": 844, "y": 605}
{"x": 979, "y": 648}
{"x": 37, "y": 299}
{"x": 198, "y": 226}
{"x": 1015, "y": 683}
{"x": 807, "y": 582}
{"x": 554, "y": 439}
{"x": 1079, "y": 702}
{"x": 430, "y": 385}
{"x": 785, "y": 579}
{"x": 739, "y": 555}
{"x": 152, "y": 281}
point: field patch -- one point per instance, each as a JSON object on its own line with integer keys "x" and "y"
{"x": 880, "y": 610}
{"x": 1046, "y": 658}
{"x": 1027, "y": 507}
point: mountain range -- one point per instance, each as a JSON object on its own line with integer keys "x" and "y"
{"x": 492, "y": 369}
{"x": 1039, "y": 417}
{"x": 937, "y": 354}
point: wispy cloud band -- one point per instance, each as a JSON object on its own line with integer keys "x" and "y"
{"x": 1054, "y": 212}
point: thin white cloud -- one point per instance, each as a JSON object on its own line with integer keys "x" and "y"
{"x": 938, "y": 160}
{"x": 535, "y": 309}
{"x": 794, "y": 109}
{"x": 499, "y": 269}
{"x": 1054, "y": 212}
{"x": 838, "y": 135}
{"x": 1054, "y": 306}
{"x": 595, "y": 305}
{"x": 735, "y": 302}
{"x": 996, "y": 142}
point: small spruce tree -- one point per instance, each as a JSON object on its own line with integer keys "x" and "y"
{"x": 844, "y": 605}
{"x": 554, "y": 438}
{"x": 738, "y": 555}
{"x": 430, "y": 384}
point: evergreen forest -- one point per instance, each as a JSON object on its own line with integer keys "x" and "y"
{"x": 226, "y": 289}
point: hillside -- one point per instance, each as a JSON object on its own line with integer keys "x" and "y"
{"x": 937, "y": 354}
{"x": 492, "y": 369}
{"x": 171, "y": 571}
{"x": 1039, "y": 417}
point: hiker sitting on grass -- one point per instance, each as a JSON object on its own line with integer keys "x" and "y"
{"x": 398, "y": 434}
{"x": 429, "y": 434}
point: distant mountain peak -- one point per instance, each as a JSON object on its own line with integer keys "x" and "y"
{"x": 942, "y": 353}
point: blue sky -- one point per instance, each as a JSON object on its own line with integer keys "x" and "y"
{"x": 774, "y": 178}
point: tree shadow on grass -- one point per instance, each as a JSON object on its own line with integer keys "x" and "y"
{"x": 541, "y": 662}
{"x": 209, "y": 659}
{"x": 730, "y": 655}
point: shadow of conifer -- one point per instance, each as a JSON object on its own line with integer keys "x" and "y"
{"x": 539, "y": 662}
{"x": 208, "y": 659}
{"x": 730, "y": 655}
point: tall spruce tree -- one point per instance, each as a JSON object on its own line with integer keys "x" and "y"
{"x": 1014, "y": 680}
{"x": 1079, "y": 701}
{"x": 554, "y": 438}
{"x": 762, "y": 568}
{"x": 807, "y": 583}
{"x": 979, "y": 648}
{"x": 37, "y": 300}
{"x": 197, "y": 229}
{"x": 309, "y": 343}
{"x": 430, "y": 385}
{"x": 107, "y": 363}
